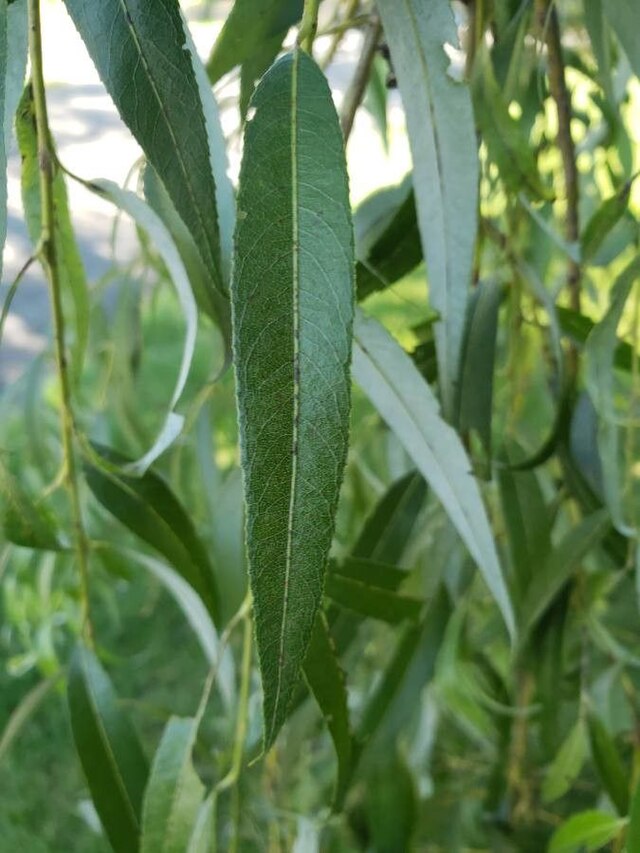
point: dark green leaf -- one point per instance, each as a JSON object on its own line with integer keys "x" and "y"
{"x": 402, "y": 397}
{"x": 603, "y": 221}
{"x": 370, "y": 600}
{"x": 109, "y": 751}
{"x": 250, "y": 24}
{"x": 387, "y": 238}
{"x": 148, "y": 507}
{"x": 623, "y": 17}
{"x": 365, "y": 571}
{"x": 292, "y": 307}
{"x": 633, "y": 832}
{"x": 599, "y": 35}
{"x": 142, "y": 56}
{"x": 326, "y": 681}
{"x": 391, "y": 804}
{"x": 375, "y": 100}
{"x": 174, "y": 792}
{"x": 478, "y": 363}
{"x": 443, "y": 144}
{"x": 387, "y": 530}
{"x": 614, "y": 777}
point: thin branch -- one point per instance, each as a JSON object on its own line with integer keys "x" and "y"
{"x": 13, "y": 289}
{"x": 338, "y": 31}
{"x": 549, "y": 25}
{"x": 355, "y": 93}
{"x": 48, "y": 257}
{"x": 309, "y": 25}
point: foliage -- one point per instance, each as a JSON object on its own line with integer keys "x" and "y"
{"x": 399, "y": 614}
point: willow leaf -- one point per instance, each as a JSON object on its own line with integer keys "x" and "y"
{"x": 109, "y": 751}
{"x": 4, "y": 62}
{"x": 623, "y": 17}
{"x": 292, "y": 301}
{"x": 140, "y": 51}
{"x": 404, "y": 400}
{"x": 445, "y": 165}
{"x": 174, "y": 793}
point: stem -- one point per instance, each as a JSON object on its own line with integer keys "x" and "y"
{"x": 338, "y": 32}
{"x": 355, "y": 92}
{"x": 309, "y": 25}
{"x": 47, "y": 255}
{"x": 549, "y": 25}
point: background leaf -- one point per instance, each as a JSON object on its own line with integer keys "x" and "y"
{"x": 294, "y": 250}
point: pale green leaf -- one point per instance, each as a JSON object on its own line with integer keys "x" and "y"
{"x": 402, "y": 397}
{"x": 292, "y": 298}
{"x": 24, "y": 522}
{"x": 109, "y": 751}
{"x": 567, "y": 764}
{"x": 174, "y": 792}
{"x": 623, "y": 17}
{"x": 585, "y": 832}
{"x": 443, "y": 146}
{"x": 17, "y": 44}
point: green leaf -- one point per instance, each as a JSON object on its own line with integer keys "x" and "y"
{"x": 109, "y": 751}
{"x": 327, "y": 683}
{"x": 140, "y": 51}
{"x": 443, "y": 145}
{"x": 560, "y": 565}
{"x": 391, "y": 804}
{"x": 4, "y": 61}
{"x": 73, "y": 278}
{"x": 371, "y": 600}
{"x": 478, "y": 363}
{"x": 387, "y": 238}
{"x": 248, "y": 26}
{"x": 633, "y": 832}
{"x": 623, "y": 17}
{"x": 507, "y": 142}
{"x": 392, "y": 382}
{"x": 375, "y": 100}
{"x": 203, "y": 831}
{"x": 585, "y": 832}
{"x": 292, "y": 299}
{"x": 614, "y": 777}
{"x": 145, "y": 217}
{"x": 148, "y": 507}
{"x": 23, "y": 712}
{"x": 600, "y": 38}
{"x": 24, "y": 522}
{"x": 174, "y": 792}
{"x": 17, "y": 44}
{"x": 603, "y": 221}
{"x": 370, "y": 572}
{"x": 566, "y": 765}
{"x": 599, "y": 377}
{"x": 387, "y": 530}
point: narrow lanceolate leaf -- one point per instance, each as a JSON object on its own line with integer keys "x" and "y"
{"x": 327, "y": 683}
{"x": 612, "y": 772}
{"x": 566, "y": 765}
{"x": 402, "y": 397}
{"x": 623, "y": 17}
{"x": 445, "y": 174}
{"x": 73, "y": 277}
{"x": 600, "y": 379}
{"x": 148, "y": 507}
{"x": 141, "y": 53}
{"x": 17, "y": 44}
{"x": 292, "y": 299}
{"x": 23, "y": 521}
{"x": 370, "y": 600}
{"x": 174, "y": 793}
{"x": 109, "y": 751}
{"x": 250, "y": 25}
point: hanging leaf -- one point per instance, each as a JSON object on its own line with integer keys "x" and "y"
{"x": 386, "y": 531}
{"x": 585, "y": 832}
{"x": 567, "y": 764}
{"x": 72, "y": 273}
{"x": 152, "y": 66}
{"x": 109, "y": 751}
{"x": 17, "y": 51}
{"x": 249, "y": 25}
{"x": 387, "y": 238}
{"x": 443, "y": 146}
{"x": 633, "y": 832}
{"x": 562, "y": 562}
{"x": 478, "y": 364}
{"x": 148, "y": 507}
{"x": 600, "y": 37}
{"x": 23, "y": 712}
{"x": 24, "y": 522}
{"x": 623, "y": 17}
{"x": 292, "y": 301}
{"x": 145, "y": 217}
{"x": 327, "y": 683}
{"x": 372, "y": 601}
{"x": 603, "y": 221}
{"x": 392, "y": 382}
{"x": 365, "y": 571}
{"x": 507, "y": 142}
{"x": 612, "y": 772}
{"x": 599, "y": 376}
{"x": 174, "y": 793}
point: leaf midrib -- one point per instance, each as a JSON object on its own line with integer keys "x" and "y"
{"x": 179, "y": 155}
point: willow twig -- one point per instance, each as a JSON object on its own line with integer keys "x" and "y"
{"x": 355, "y": 93}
